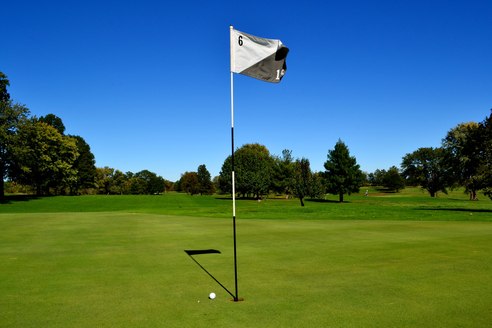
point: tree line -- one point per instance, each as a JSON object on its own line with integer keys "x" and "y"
{"x": 37, "y": 156}
{"x": 258, "y": 173}
{"x": 464, "y": 159}
{"x": 35, "y": 151}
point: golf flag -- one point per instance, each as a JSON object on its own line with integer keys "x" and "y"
{"x": 261, "y": 58}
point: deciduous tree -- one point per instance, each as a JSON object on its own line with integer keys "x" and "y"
{"x": 464, "y": 156}
{"x": 317, "y": 188}
{"x": 302, "y": 178}
{"x": 42, "y": 157}
{"x": 253, "y": 168}
{"x": 104, "y": 179}
{"x": 119, "y": 183}
{"x": 85, "y": 165}
{"x": 486, "y": 167}
{"x": 393, "y": 180}
{"x": 189, "y": 183}
{"x": 304, "y": 182}
{"x": 426, "y": 167}
{"x": 151, "y": 182}
{"x": 10, "y": 117}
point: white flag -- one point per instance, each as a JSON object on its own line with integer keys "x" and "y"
{"x": 261, "y": 58}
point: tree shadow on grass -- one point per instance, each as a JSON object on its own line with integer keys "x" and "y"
{"x": 387, "y": 191}
{"x": 455, "y": 209}
{"x": 237, "y": 198}
{"x": 313, "y": 200}
{"x": 9, "y": 199}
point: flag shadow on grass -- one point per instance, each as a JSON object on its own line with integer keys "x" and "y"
{"x": 192, "y": 252}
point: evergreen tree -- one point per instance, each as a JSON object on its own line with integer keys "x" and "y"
{"x": 206, "y": 186}
{"x": 54, "y": 121}
{"x": 283, "y": 172}
{"x": 343, "y": 174}
{"x": 4, "y": 83}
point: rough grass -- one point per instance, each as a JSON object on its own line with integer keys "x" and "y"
{"x": 410, "y": 204}
{"x": 101, "y": 261}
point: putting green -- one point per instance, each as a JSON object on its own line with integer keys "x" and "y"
{"x": 119, "y": 269}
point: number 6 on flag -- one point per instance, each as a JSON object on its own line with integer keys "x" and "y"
{"x": 263, "y": 59}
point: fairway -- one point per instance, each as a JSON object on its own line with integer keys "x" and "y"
{"x": 122, "y": 269}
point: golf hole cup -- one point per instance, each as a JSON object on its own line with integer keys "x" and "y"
{"x": 211, "y": 296}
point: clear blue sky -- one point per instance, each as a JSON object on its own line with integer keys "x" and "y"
{"x": 146, "y": 83}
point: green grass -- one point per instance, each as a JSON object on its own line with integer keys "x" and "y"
{"x": 410, "y": 204}
{"x": 402, "y": 260}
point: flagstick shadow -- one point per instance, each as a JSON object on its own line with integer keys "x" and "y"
{"x": 207, "y": 251}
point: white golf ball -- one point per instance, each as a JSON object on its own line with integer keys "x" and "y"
{"x": 211, "y": 296}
